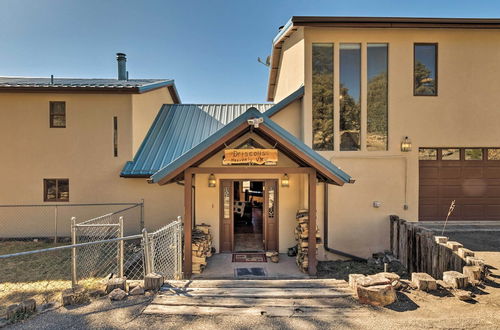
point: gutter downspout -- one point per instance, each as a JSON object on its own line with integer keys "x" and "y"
{"x": 325, "y": 229}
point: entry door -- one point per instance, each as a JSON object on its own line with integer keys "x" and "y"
{"x": 226, "y": 216}
{"x": 270, "y": 213}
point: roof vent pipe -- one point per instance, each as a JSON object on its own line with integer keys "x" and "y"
{"x": 121, "y": 58}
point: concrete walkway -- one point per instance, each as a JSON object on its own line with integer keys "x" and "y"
{"x": 221, "y": 266}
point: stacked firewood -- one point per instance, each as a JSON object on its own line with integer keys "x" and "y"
{"x": 201, "y": 246}
{"x": 302, "y": 238}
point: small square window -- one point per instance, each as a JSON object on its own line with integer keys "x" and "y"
{"x": 474, "y": 154}
{"x": 494, "y": 154}
{"x": 56, "y": 190}
{"x": 427, "y": 154}
{"x": 450, "y": 154}
{"x": 57, "y": 114}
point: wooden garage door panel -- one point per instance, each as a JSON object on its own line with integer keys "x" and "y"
{"x": 450, "y": 173}
{"x": 475, "y": 185}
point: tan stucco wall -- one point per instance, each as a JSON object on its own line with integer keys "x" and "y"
{"x": 290, "y": 118}
{"x": 290, "y": 75}
{"x": 145, "y": 107}
{"x": 465, "y": 113}
{"x": 82, "y": 152}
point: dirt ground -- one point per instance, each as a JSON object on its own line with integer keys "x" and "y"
{"x": 413, "y": 309}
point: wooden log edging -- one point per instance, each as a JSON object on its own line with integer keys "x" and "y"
{"x": 416, "y": 248}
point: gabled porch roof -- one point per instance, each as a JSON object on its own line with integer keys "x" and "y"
{"x": 268, "y": 129}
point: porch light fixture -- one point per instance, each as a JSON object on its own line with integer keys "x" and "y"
{"x": 406, "y": 144}
{"x": 211, "y": 181}
{"x": 285, "y": 181}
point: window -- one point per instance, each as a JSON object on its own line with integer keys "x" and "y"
{"x": 57, "y": 114}
{"x": 427, "y": 154}
{"x": 322, "y": 96}
{"x": 377, "y": 62}
{"x": 56, "y": 190}
{"x": 115, "y": 136}
{"x": 494, "y": 154}
{"x": 350, "y": 97}
{"x": 450, "y": 154}
{"x": 425, "y": 70}
{"x": 474, "y": 154}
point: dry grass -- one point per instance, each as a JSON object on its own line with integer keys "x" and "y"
{"x": 41, "y": 276}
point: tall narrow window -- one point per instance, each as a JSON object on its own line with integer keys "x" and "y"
{"x": 322, "y": 96}
{"x": 57, "y": 114}
{"x": 350, "y": 96}
{"x": 425, "y": 70}
{"x": 115, "y": 136}
{"x": 377, "y": 97}
{"x": 56, "y": 190}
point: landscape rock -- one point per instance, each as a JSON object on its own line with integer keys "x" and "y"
{"x": 117, "y": 294}
{"x": 455, "y": 279}
{"x": 463, "y": 295}
{"x": 377, "y": 295}
{"x": 473, "y": 273}
{"x": 75, "y": 296}
{"x": 372, "y": 280}
{"x": 13, "y": 311}
{"x": 116, "y": 283}
{"x": 424, "y": 281}
{"x": 137, "y": 291}
{"x": 453, "y": 245}
{"x": 28, "y": 306}
{"x": 153, "y": 281}
{"x": 353, "y": 278}
{"x": 441, "y": 239}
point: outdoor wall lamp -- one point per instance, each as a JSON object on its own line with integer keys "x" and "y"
{"x": 211, "y": 181}
{"x": 285, "y": 181}
{"x": 406, "y": 144}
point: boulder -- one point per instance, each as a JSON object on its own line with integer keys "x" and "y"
{"x": 424, "y": 281}
{"x": 116, "y": 283}
{"x": 441, "y": 239}
{"x": 377, "y": 295}
{"x": 455, "y": 279}
{"x": 28, "y": 306}
{"x": 372, "y": 280}
{"x": 463, "y": 295}
{"x": 137, "y": 291}
{"x": 117, "y": 294}
{"x": 13, "y": 311}
{"x": 353, "y": 278}
{"x": 75, "y": 296}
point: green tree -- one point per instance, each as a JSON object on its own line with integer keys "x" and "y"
{"x": 424, "y": 83}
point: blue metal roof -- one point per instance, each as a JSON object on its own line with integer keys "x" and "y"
{"x": 177, "y": 129}
{"x": 250, "y": 113}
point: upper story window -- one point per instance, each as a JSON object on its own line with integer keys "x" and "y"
{"x": 57, "y": 114}
{"x": 350, "y": 97}
{"x": 322, "y": 96}
{"x": 56, "y": 190}
{"x": 425, "y": 70}
{"x": 377, "y": 91}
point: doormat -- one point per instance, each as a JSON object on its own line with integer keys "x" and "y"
{"x": 249, "y": 257}
{"x": 250, "y": 272}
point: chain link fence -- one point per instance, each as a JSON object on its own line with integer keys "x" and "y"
{"x": 50, "y": 223}
{"x": 101, "y": 250}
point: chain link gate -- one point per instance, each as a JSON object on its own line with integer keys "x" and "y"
{"x": 163, "y": 250}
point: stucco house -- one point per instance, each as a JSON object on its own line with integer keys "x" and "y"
{"x": 370, "y": 117}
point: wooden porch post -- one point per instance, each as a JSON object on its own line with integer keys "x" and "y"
{"x": 188, "y": 181}
{"x": 312, "y": 222}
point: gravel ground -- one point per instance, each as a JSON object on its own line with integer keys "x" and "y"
{"x": 413, "y": 309}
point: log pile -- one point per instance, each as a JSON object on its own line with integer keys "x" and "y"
{"x": 201, "y": 247}
{"x": 302, "y": 238}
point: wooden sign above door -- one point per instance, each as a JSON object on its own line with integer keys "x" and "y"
{"x": 250, "y": 156}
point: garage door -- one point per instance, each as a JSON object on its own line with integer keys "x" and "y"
{"x": 470, "y": 176}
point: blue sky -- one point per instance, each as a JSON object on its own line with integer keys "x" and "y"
{"x": 210, "y": 47}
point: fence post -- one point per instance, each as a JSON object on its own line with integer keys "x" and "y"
{"x": 147, "y": 257}
{"x": 55, "y": 224}
{"x": 142, "y": 214}
{"x": 179, "y": 248}
{"x": 73, "y": 252}
{"x": 121, "y": 249}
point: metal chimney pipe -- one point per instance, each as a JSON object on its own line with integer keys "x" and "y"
{"x": 121, "y": 58}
